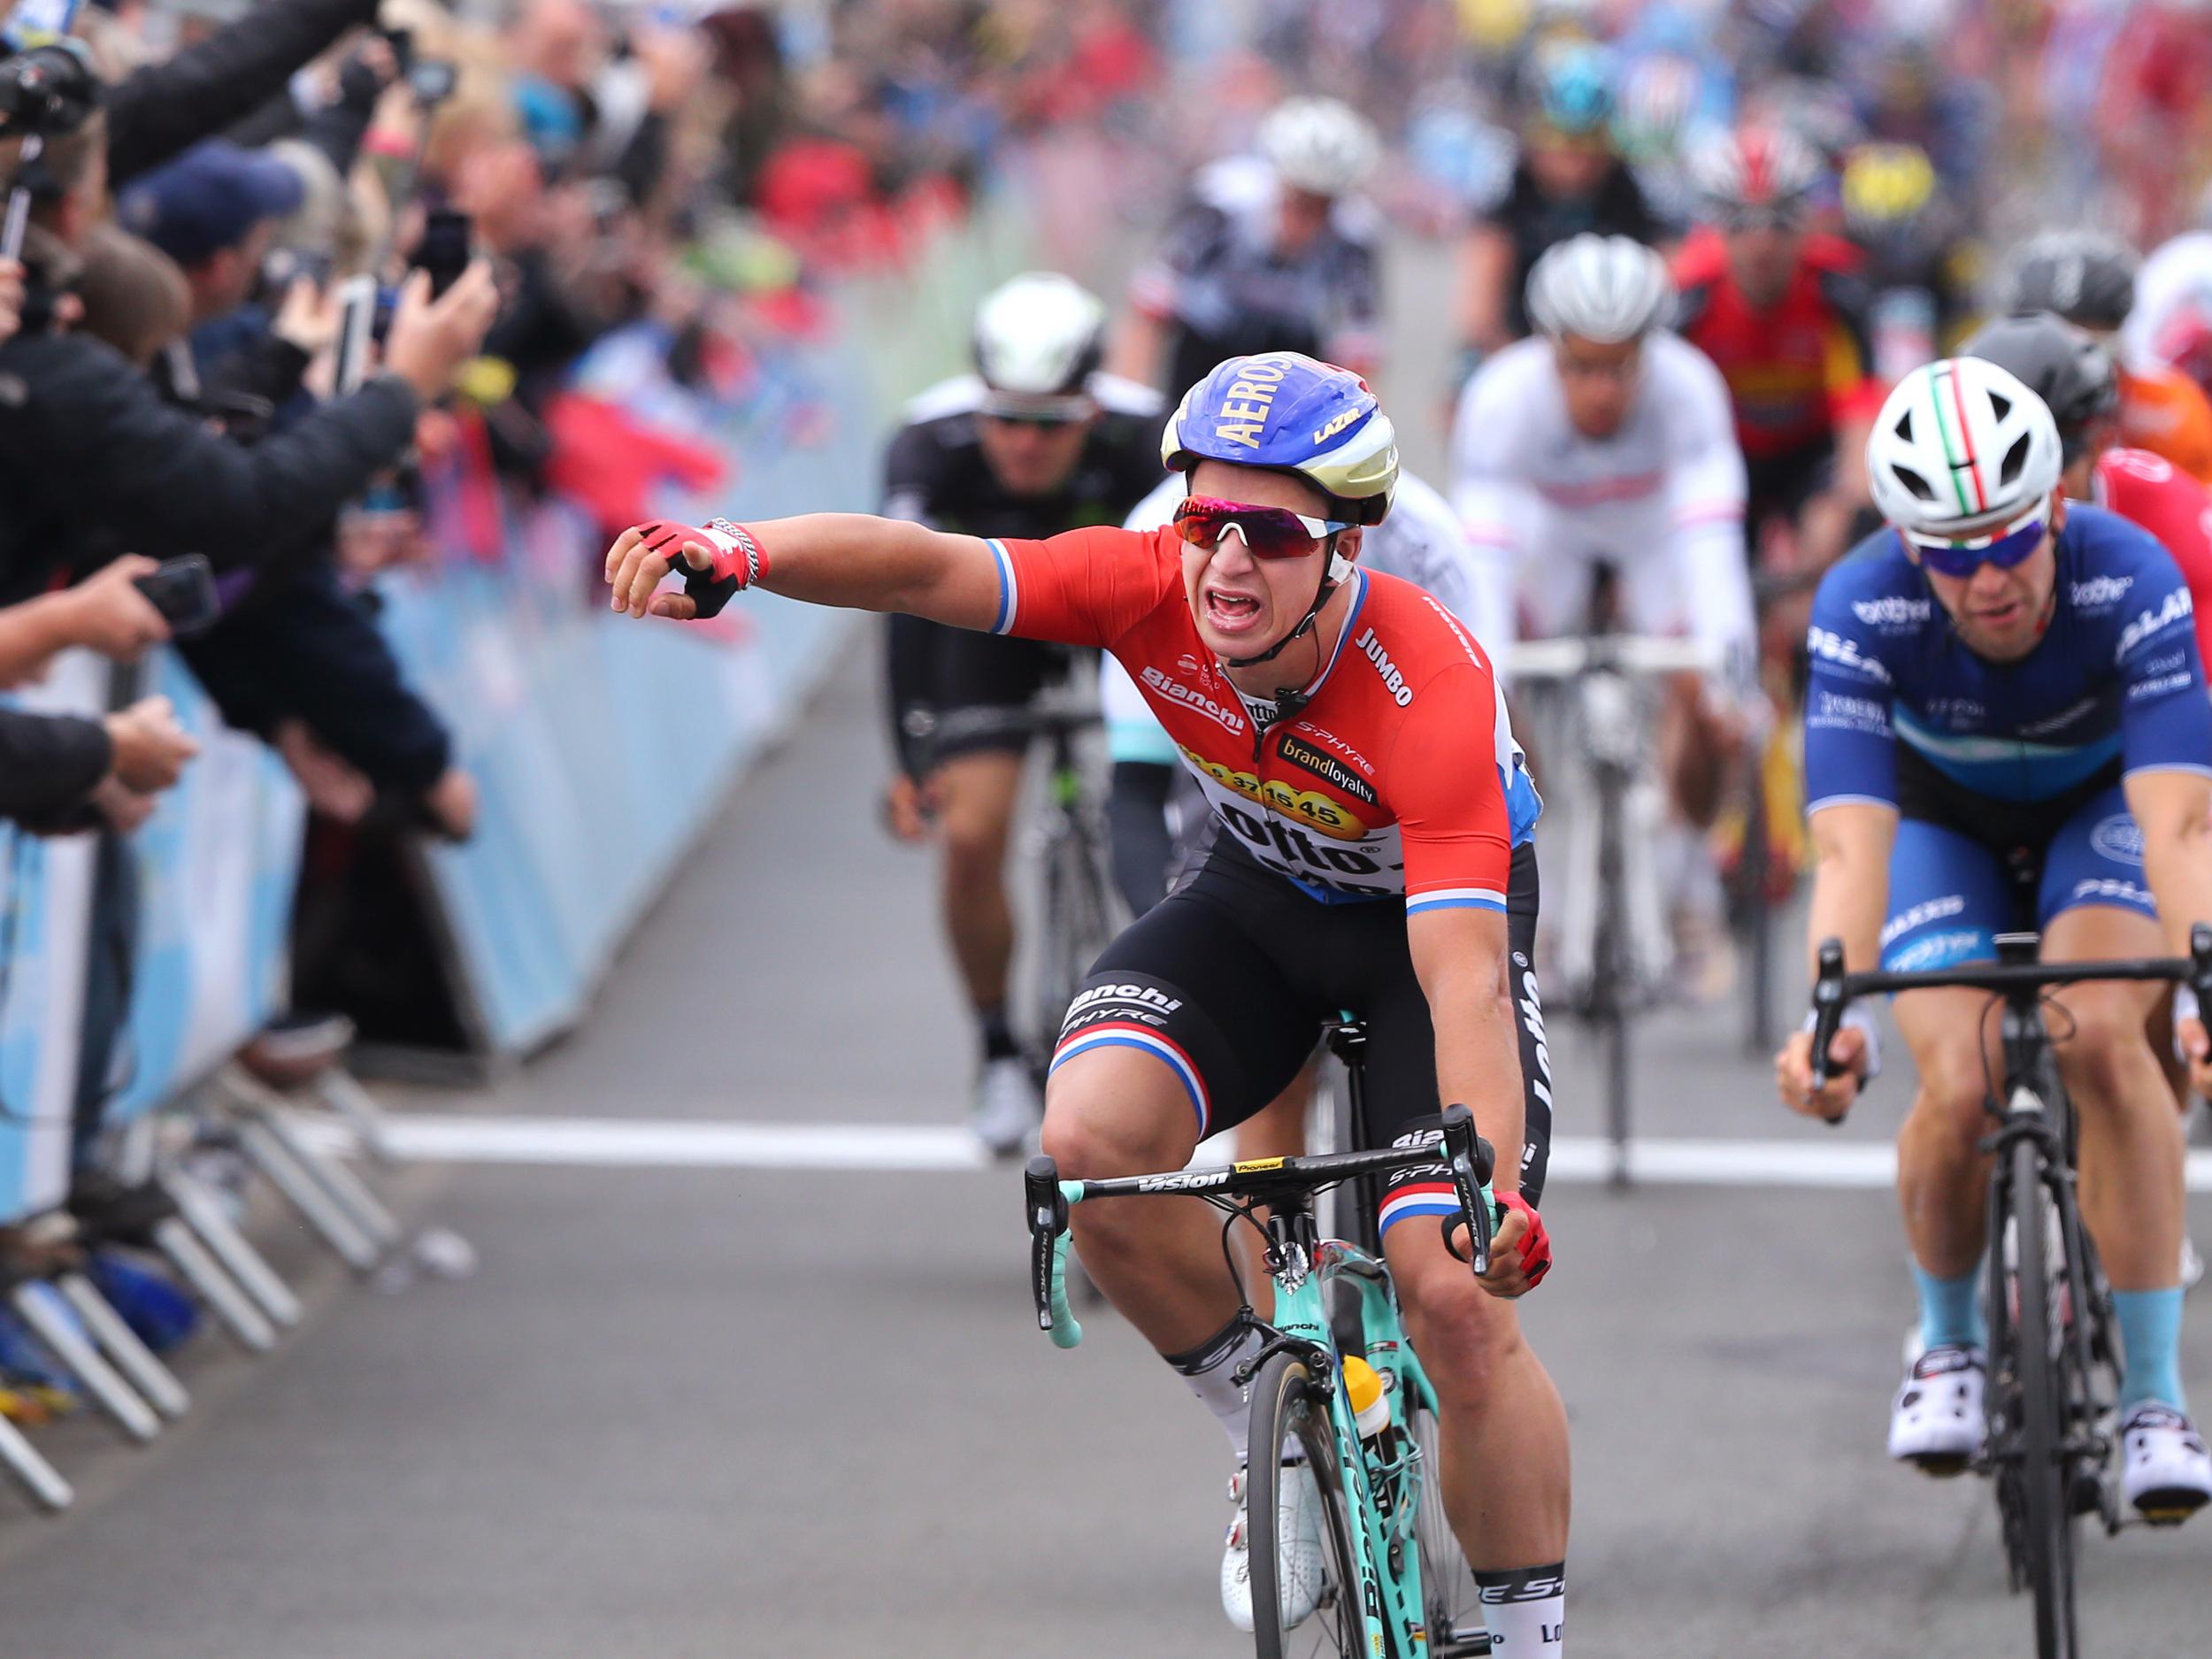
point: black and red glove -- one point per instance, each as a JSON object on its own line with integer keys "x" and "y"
{"x": 1535, "y": 1243}
{"x": 738, "y": 559}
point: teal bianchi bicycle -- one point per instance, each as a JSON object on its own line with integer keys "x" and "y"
{"x": 1395, "y": 1585}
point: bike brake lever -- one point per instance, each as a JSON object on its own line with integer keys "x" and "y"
{"x": 1470, "y": 1160}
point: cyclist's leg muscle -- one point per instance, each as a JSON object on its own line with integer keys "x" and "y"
{"x": 1502, "y": 1431}
{"x": 1187, "y": 1027}
{"x": 2131, "y": 1141}
{"x": 976, "y": 794}
{"x": 2095, "y": 902}
{"x": 1950, "y": 898}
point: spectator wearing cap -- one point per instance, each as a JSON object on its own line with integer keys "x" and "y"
{"x": 92, "y": 458}
{"x": 212, "y": 209}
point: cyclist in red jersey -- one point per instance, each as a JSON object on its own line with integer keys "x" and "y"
{"x": 1777, "y": 307}
{"x": 1351, "y": 735}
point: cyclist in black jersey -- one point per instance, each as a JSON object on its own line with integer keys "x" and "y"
{"x": 1273, "y": 252}
{"x": 1036, "y": 441}
{"x": 1569, "y": 178}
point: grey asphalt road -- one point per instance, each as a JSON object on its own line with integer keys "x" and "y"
{"x": 730, "y": 1414}
{"x": 715, "y": 1412}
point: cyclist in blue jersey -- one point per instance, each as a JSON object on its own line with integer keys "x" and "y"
{"x": 2007, "y": 727}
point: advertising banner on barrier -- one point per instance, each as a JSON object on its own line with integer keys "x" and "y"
{"x": 46, "y": 890}
{"x": 218, "y": 866}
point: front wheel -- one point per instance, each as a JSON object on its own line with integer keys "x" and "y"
{"x": 2035, "y": 1469}
{"x": 1290, "y": 1412}
{"x": 1450, "y": 1601}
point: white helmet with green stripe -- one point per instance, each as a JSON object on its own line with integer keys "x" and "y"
{"x": 1960, "y": 448}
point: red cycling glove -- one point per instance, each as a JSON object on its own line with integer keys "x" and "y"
{"x": 1535, "y": 1243}
{"x": 739, "y": 558}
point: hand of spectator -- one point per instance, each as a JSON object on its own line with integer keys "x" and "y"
{"x": 430, "y": 339}
{"x": 107, "y": 613}
{"x": 365, "y": 75}
{"x": 122, "y": 807}
{"x": 150, "y": 747}
{"x": 372, "y": 542}
{"x": 450, "y": 805}
{"x": 332, "y": 788}
{"x": 309, "y": 317}
{"x": 10, "y": 297}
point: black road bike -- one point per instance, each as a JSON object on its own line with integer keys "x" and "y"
{"x": 2054, "y": 1355}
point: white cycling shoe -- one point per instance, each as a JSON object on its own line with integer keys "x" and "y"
{"x": 1007, "y": 1109}
{"x": 2165, "y": 1474}
{"x": 1298, "y": 1512}
{"x": 1937, "y": 1421}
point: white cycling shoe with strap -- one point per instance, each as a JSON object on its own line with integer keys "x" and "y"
{"x": 1937, "y": 1421}
{"x": 2165, "y": 1473}
{"x": 1298, "y": 1535}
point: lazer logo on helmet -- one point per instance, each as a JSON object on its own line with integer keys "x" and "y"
{"x": 1336, "y": 425}
{"x": 1242, "y": 415}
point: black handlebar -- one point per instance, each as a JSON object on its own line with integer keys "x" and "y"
{"x": 1834, "y": 990}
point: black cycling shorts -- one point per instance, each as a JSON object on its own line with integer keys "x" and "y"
{"x": 977, "y": 680}
{"x": 1229, "y": 979}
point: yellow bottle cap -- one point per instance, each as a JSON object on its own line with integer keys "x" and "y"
{"x": 1361, "y": 1387}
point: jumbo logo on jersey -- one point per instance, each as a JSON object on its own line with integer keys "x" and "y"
{"x": 1371, "y": 649}
{"x": 1242, "y": 416}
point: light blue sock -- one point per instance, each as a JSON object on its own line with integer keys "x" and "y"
{"x": 2150, "y": 1341}
{"x": 1950, "y": 1310}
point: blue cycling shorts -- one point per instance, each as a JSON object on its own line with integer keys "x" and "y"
{"x": 1950, "y": 895}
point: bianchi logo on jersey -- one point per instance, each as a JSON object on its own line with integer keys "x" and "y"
{"x": 1175, "y": 691}
{"x": 1371, "y": 649}
{"x": 1893, "y": 611}
{"x": 2152, "y": 623}
{"x": 1326, "y": 766}
{"x": 2100, "y": 591}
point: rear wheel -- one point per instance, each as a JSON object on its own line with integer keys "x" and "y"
{"x": 1289, "y": 1410}
{"x": 2035, "y": 1469}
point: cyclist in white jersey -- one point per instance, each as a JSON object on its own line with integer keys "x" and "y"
{"x": 1607, "y": 443}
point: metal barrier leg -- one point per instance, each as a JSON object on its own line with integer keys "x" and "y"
{"x": 44, "y": 1311}
{"x": 231, "y": 1305}
{"x": 137, "y": 1362}
{"x": 229, "y": 1247}
{"x": 35, "y": 1475}
{"x": 340, "y": 1092}
{"x": 300, "y": 1185}
{"x": 363, "y": 1207}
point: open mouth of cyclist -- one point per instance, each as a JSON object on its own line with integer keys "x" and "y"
{"x": 1230, "y": 611}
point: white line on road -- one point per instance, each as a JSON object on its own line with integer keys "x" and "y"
{"x": 646, "y": 1143}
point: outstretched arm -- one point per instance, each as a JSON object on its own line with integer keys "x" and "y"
{"x": 828, "y": 558}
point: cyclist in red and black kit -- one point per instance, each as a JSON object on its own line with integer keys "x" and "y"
{"x": 1375, "y": 854}
{"x": 1779, "y": 307}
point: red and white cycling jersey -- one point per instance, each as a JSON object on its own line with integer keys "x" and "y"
{"x": 2154, "y": 493}
{"x": 1377, "y": 787}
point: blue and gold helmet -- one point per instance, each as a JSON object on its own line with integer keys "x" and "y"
{"x": 1290, "y": 413}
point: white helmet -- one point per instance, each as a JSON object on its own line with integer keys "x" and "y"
{"x": 1037, "y": 338}
{"x": 1605, "y": 289}
{"x": 1319, "y": 145}
{"x": 1961, "y": 449}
